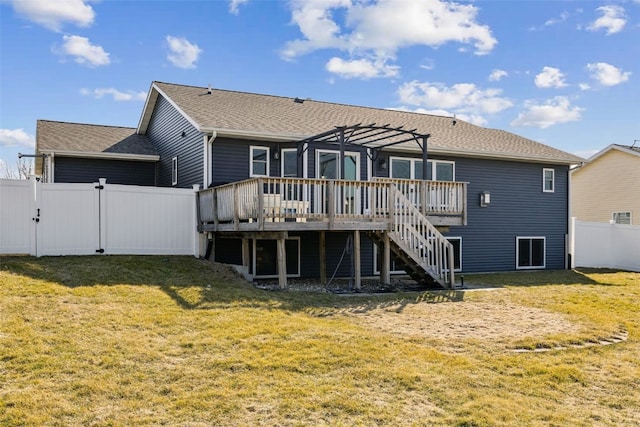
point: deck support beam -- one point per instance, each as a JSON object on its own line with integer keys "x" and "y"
{"x": 323, "y": 257}
{"x": 385, "y": 269}
{"x": 245, "y": 253}
{"x": 282, "y": 263}
{"x": 356, "y": 259}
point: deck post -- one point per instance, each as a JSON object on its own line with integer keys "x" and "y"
{"x": 282, "y": 263}
{"x": 245, "y": 253}
{"x": 356, "y": 259}
{"x": 332, "y": 203}
{"x": 323, "y": 257}
{"x": 451, "y": 263}
{"x": 236, "y": 207}
{"x": 385, "y": 269}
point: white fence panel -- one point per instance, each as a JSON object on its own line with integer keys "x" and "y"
{"x": 69, "y": 219}
{"x": 17, "y": 210}
{"x": 148, "y": 220}
{"x": 602, "y": 245}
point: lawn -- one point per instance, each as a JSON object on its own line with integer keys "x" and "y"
{"x": 122, "y": 341}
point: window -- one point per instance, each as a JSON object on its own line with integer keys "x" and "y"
{"x": 548, "y": 179}
{"x": 530, "y": 252}
{"x": 174, "y": 171}
{"x": 437, "y": 170}
{"x": 259, "y": 161}
{"x": 621, "y": 217}
{"x": 289, "y": 166}
{"x": 457, "y": 252}
{"x": 265, "y": 257}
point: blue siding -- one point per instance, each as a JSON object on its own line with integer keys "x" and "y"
{"x": 518, "y": 207}
{"x": 129, "y": 172}
{"x": 165, "y": 132}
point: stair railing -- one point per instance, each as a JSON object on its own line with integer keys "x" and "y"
{"x": 413, "y": 232}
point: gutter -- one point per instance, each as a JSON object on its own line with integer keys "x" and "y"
{"x": 103, "y": 155}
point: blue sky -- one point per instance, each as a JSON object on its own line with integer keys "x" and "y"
{"x": 565, "y": 73}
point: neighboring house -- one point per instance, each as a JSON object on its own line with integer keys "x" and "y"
{"x": 74, "y": 152}
{"x": 607, "y": 188}
{"x": 293, "y": 182}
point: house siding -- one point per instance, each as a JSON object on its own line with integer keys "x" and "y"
{"x": 165, "y": 132}
{"x": 518, "y": 208}
{"x": 79, "y": 170}
{"x": 607, "y": 185}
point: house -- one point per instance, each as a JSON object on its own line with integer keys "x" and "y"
{"x": 297, "y": 187}
{"x": 73, "y": 152}
{"x": 607, "y": 188}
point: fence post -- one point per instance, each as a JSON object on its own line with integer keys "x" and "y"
{"x": 199, "y": 239}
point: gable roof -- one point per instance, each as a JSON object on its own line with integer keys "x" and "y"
{"x": 86, "y": 140}
{"x": 277, "y": 118}
{"x": 632, "y": 150}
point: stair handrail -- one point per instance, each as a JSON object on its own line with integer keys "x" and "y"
{"x": 420, "y": 239}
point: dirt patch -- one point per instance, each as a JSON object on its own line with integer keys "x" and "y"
{"x": 465, "y": 320}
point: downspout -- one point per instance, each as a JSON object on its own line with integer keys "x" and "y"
{"x": 208, "y": 139}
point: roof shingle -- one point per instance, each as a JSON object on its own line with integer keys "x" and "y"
{"x": 277, "y": 115}
{"x": 77, "y": 137}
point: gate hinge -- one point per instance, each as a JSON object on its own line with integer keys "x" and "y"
{"x": 99, "y": 251}
{"x": 99, "y": 187}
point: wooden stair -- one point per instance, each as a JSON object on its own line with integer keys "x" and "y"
{"x": 426, "y": 254}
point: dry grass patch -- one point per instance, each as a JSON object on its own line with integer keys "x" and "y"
{"x": 177, "y": 341}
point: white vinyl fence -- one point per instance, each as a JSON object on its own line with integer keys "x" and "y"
{"x": 83, "y": 219}
{"x": 603, "y": 245}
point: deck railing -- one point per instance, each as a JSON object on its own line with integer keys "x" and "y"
{"x": 301, "y": 199}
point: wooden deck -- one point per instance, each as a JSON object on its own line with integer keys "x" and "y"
{"x": 301, "y": 204}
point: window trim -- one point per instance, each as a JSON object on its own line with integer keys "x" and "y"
{"x": 414, "y": 160}
{"x": 253, "y": 148}
{"x": 274, "y": 276}
{"x": 460, "y": 239}
{"x": 174, "y": 171}
{"x": 614, "y": 217}
{"x": 544, "y": 253}
{"x": 282, "y": 157}
{"x": 544, "y": 180}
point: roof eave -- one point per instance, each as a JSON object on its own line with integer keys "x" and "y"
{"x": 102, "y": 155}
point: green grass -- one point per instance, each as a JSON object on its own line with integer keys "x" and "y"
{"x": 120, "y": 341}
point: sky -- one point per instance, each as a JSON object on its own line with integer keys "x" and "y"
{"x": 564, "y": 73}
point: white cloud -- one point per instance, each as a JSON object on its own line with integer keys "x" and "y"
{"x": 117, "y": 95}
{"x": 550, "y": 77}
{"x": 585, "y": 86}
{"x": 83, "y": 52}
{"x": 183, "y": 54}
{"x": 361, "y": 68}
{"x": 554, "y": 21}
{"x": 234, "y": 5}
{"x": 365, "y": 29}
{"x": 16, "y": 138}
{"x": 607, "y": 74}
{"x": 497, "y": 75}
{"x": 53, "y": 14}
{"x": 462, "y": 98}
{"x": 613, "y": 19}
{"x": 554, "y": 111}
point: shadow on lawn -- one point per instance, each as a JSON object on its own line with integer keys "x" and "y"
{"x": 200, "y": 285}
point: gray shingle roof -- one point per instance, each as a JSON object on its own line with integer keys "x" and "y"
{"x": 277, "y": 115}
{"x": 77, "y": 137}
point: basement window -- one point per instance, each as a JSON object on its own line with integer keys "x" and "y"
{"x": 530, "y": 252}
{"x": 265, "y": 257}
{"x": 621, "y": 217}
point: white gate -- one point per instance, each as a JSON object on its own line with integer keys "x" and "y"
{"x": 84, "y": 219}
{"x": 69, "y": 219}
{"x": 17, "y": 216}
